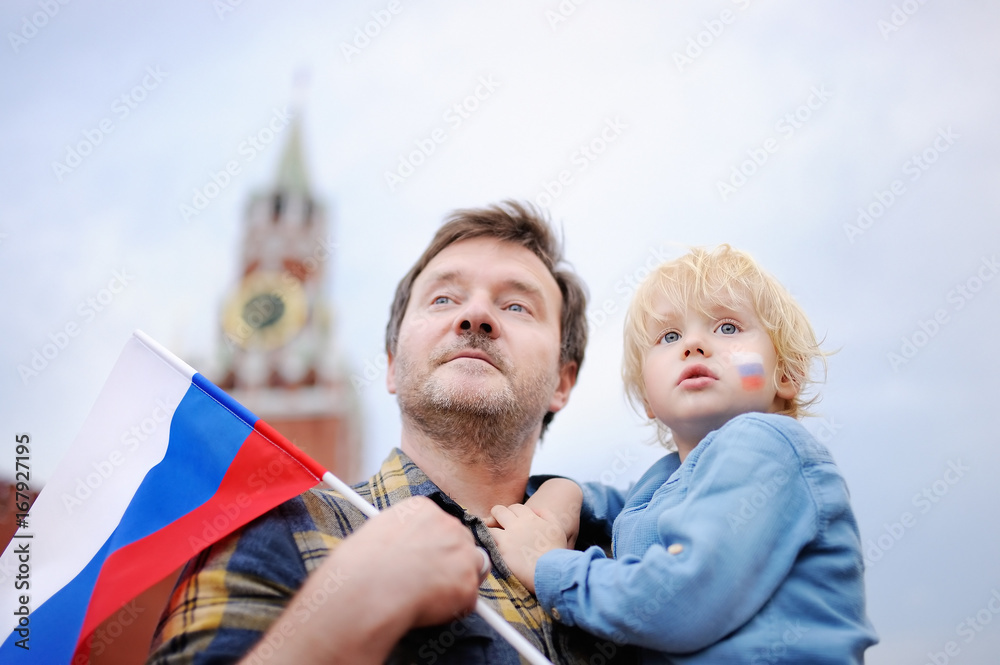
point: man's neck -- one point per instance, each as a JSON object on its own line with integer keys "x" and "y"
{"x": 475, "y": 485}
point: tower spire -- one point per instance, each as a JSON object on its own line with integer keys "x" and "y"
{"x": 278, "y": 355}
{"x": 292, "y": 178}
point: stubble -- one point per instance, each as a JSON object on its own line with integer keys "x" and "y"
{"x": 484, "y": 424}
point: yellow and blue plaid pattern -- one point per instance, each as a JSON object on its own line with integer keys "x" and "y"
{"x": 230, "y": 594}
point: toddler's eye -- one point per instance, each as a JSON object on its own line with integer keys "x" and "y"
{"x": 728, "y": 329}
{"x": 669, "y": 337}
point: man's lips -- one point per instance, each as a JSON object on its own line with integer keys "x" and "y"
{"x": 474, "y": 354}
{"x": 696, "y": 376}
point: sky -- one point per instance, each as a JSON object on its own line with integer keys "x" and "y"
{"x": 849, "y": 146}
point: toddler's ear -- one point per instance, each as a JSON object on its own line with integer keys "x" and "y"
{"x": 787, "y": 388}
{"x": 649, "y": 412}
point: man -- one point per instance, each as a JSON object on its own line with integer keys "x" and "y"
{"x": 485, "y": 338}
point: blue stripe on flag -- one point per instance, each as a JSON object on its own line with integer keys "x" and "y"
{"x": 204, "y": 439}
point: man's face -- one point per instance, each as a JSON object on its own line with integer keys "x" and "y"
{"x": 481, "y": 337}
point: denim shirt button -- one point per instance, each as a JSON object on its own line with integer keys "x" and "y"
{"x": 555, "y": 614}
{"x": 676, "y": 548}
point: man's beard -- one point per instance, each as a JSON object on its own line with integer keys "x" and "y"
{"x": 481, "y": 425}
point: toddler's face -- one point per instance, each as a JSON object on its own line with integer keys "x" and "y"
{"x": 702, "y": 370}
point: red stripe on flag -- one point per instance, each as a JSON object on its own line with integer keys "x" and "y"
{"x": 267, "y": 471}
{"x": 287, "y": 447}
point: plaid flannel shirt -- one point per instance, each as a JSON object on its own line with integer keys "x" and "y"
{"x": 230, "y": 593}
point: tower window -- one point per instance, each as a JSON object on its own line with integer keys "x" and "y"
{"x": 279, "y": 204}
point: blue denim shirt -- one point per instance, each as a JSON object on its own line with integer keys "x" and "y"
{"x": 748, "y": 552}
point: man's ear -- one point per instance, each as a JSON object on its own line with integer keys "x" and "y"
{"x": 567, "y": 379}
{"x": 390, "y": 374}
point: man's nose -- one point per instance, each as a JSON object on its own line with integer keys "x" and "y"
{"x": 477, "y": 318}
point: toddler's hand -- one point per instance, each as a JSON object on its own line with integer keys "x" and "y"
{"x": 524, "y": 537}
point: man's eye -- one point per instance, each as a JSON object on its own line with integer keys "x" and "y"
{"x": 670, "y": 337}
{"x": 442, "y": 300}
{"x": 728, "y": 329}
{"x": 517, "y": 308}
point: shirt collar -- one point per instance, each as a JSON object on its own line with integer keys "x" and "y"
{"x": 399, "y": 477}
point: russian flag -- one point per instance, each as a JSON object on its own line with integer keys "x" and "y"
{"x": 751, "y": 368}
{"x": 164, "y": 465}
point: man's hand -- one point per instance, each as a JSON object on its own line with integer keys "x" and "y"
{"x": 550, "y": 520}
{"x": 411, "y": 565}
{"x": 426, "y": 561}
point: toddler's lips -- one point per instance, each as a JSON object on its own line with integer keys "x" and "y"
{"x": 697, "y": 382}
{"x": 696, "y": 376}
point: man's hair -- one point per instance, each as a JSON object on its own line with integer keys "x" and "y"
{"x": 703, "y": 279}
{"x": 521, "y": 224}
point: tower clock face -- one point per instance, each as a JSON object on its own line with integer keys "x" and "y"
{"x": 266, "y": 311}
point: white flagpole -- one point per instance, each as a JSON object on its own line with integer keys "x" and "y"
{"x": 507, "y": 631}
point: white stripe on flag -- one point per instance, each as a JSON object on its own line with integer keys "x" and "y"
{"x": 124, "y": 436}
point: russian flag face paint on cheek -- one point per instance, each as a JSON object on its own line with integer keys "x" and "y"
{"x": 751, "y": 369}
